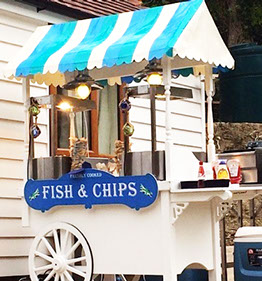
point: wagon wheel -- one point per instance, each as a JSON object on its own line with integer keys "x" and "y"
{"x": 61, "y": 253}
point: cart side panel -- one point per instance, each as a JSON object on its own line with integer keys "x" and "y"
{"x": 194, "y": 246}
{"x": 122, "y": 240}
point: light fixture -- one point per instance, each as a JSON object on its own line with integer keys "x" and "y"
{"x": 152, "y": 73}
{"x": 154, "y": 78}
{"x": 83, "y": 91}
{"x": 65, "y": 106}
{"x": 83, "y": 84}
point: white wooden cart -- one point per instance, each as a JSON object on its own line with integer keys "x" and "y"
{"x": 181, "y": 228}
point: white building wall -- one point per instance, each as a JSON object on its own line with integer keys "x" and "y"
{"x": 17, "y": 22}
{"x": 188, "y": 119}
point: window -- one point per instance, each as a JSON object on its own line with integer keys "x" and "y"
{"x": 100, "y": 126}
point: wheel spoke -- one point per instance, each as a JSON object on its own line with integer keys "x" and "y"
{"x": 44, "y": 256}
{"x": 76, "y": 260}
{"x": 63, "y": 240}
{"x": 56, "y": 277}
{"x": 57, "y": 246}
{"x": 73, "y": 248}
{"x": 68, "y": 276}
{"x": 50, "y": 275}
{"x": 62, "y": 277}
{"x": 76, "y": 271}
{"x": 81, "y": 268}
{"x": 44, "y": 268}
{"x": 49, "y": 247}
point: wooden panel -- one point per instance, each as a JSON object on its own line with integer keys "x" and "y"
{"x": 10, "y": 188}
{"x": 178, "y": 121}
{"x": 140, "y": 144}
{"x": 15, "y": 112}
{"x": 19, "y": 21}
{"x": 13, "y": 35}
{"x": 14, "y": 266}
{"x": 20, "y": 247}
{"x": 10, "y": 208}
{"x": 15, "y": 130}
{"x": 178, "y": 136}
{"x": 186, "y": 123}
{"x": 13, "y": 149}
{"x": 11, "y": 169}
{"x": 10, "y": 90}
{"x": 187, "y": 108}
{"x": 8, "y": 51}
{"x": 187, "y": 138}
{"x": 13, "y": 228}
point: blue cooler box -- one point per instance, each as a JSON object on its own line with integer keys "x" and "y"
{"x": 248, "y": 254}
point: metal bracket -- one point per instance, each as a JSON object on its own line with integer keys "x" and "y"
{"x": 177, "y": 210}
{"x": 223, "y": 208}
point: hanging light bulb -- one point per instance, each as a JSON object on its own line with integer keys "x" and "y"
{"x": 83, "y": 84}
{"x": 64, "y": 106}
{"x": 83, "y": 91}
{"x": 154, "y": 78}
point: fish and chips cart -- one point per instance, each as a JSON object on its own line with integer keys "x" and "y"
{"x": 90, "y": 222}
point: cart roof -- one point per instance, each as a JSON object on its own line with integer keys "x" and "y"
{"x": 122, "y": 44}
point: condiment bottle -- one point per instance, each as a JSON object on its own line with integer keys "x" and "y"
{"x": 201, "y": 175}
{"x": 233, "y": 166}
{"x": 222, "y": 171}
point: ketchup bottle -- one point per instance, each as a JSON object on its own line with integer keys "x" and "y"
{"x": 234, "y": 171}
{"x": 201, "y": 175}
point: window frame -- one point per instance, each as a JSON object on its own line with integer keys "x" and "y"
{"x": 55, "y": 150}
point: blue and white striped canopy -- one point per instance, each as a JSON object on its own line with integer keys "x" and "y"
{"x": 184, "y": 31}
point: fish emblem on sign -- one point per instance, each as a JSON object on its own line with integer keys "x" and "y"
{"x": 91, "y": 187}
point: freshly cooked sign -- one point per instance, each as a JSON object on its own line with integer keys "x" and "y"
{"x": 91, "y": 187}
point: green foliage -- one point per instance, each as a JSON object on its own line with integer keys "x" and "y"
{"x": 237, "y": 20}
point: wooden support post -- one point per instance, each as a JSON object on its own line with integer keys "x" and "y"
{"x": 26, "y": 97}
{"x": 211, "y": 151}
{"x": 223, "y": 249}
{"x": 152, "y": 90}
{"x": 166, "y": 63}
{"x": 252, "y": 212}
{"x": 240, "y": 213}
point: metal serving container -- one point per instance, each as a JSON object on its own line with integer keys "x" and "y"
{"x": 56, "y": 166}
{"x": 250, "y": 163}
{"x": 49, "y": 167}
{"x": 141, "y": 163}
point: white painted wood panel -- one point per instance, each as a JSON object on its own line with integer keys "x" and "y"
{"x": 10, "y": 188}
{"x": 11, "y": 208}
{"x": 16, "y": 36}
{"x": 20, "y": 247}
{"x": 14, "y": 130}
{"x": 15, "y": 112}
{"x": 14, "y": 149}
{"x": 187, "y": 120}
{"x": 19, "y": 21}
{"x": 12, "y": 169}
{"x": 13, "y": 228}
{"x": 13, "y": 266}
{"x": 7, "y": 51}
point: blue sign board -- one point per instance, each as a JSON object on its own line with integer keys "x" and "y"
{"x": 91, "y": 187}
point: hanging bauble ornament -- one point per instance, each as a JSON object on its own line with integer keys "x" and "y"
{"x": 128, "y": 129}
{"x": 125, "y": 105}
{"x": 35, "y": 131}
{"x": 34, "y": 110}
